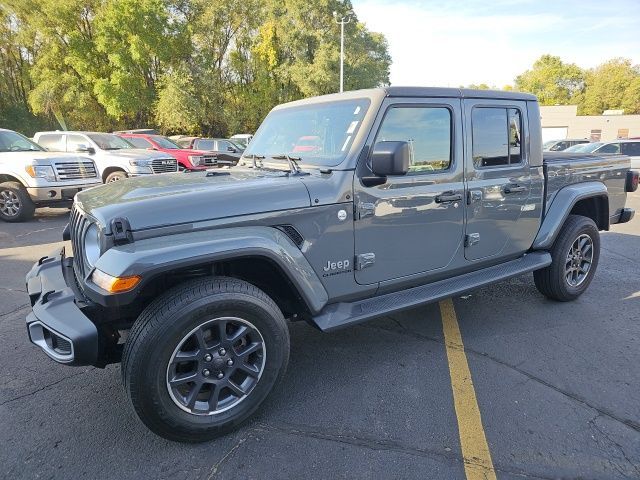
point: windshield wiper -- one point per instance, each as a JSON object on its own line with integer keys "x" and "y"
{"x": 254, "y": 157}
{"x": 294, "y": 168}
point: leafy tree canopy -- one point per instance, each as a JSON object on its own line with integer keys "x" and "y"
{"x": 196, "y": 66}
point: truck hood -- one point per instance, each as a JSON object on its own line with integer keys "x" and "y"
{"x": 137, "y": 154}
{"x": 183, "y": 198}
{"x": 43, "y": 158}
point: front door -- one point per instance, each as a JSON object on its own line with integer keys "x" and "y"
{"x": 498, "y": 179}
{"x": 412, "y": 224}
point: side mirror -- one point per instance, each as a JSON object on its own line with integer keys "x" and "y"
{"x": 390, "y": 158}
{"x": 85, "y": 149}
{"x": 231, "y": 149}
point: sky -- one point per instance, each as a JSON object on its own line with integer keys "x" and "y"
{"x": 453, "y": 43}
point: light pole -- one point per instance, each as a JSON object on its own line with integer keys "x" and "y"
{"x": 342, "y": 21}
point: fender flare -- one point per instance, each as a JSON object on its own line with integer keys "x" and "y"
{"x": 154, "y": 256}
{"x": 563, "y": 202}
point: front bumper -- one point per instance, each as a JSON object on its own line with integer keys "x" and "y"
{"x": 57, "y": 194}
{"x": 56, "y": 323}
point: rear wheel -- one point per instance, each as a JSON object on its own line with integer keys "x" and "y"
{"x": 15, "y": 203}
{"x": 203, "y": 357}
{"x": 575, "y": 255}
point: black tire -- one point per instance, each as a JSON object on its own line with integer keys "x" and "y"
{"x": 115, "y": 176}
{"x": 15, "y": 203}
{"x": 157, "y": 334}
{"x": 553, "y": 281}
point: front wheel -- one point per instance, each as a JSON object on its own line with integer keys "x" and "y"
{"x": 15, "y": 203}
{"x": 575, "y": 255}
{"x": 116, "y": 176}
{"x": 203, "y": 357}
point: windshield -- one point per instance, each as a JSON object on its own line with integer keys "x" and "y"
{"x": 107, "y": 141}
{"x": 581, "y": 147}
{"x": 164, "y": 142}
{"x": 14, "y": 142}
{"x": 320, "y": 134}
{"x": 237, "y": 145}
{"x": 589, "y": 147}
{"x": 549, "y": 143}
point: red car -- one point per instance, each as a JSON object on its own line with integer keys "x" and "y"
{"x": 187, "y": 159}
{"x": 309, "y": 143}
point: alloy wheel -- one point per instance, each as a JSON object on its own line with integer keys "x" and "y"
{"x": 9, "y": 203}
{"x": 579, "y": 260}
{"x": 216, "y": 366}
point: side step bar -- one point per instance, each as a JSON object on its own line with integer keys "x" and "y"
{"x": 339, "y": 315}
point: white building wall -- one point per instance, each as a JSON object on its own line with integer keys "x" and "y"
{"x": 581, "y": 126}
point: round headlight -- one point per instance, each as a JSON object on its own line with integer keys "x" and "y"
{"x": 92, "y": 244}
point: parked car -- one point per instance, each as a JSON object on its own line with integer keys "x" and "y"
{"x": 115, "y": 158}
{"x": 225, "y": 150}
{"x": 630, "y": 147}
{"x": 560, "y": 145}
{"x": 30, "y": 177}
{"x": 201, "y": 331}
{"x": 149, "y": 131}
{"x": 187, "y": 159}
{"x": 242, "y": 138}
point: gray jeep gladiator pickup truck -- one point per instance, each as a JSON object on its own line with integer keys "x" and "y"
{"x": 405, "y": 196}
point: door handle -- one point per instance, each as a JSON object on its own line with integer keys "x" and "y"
{"x": 514, "y": 188}
{"x": 448, "y": 197}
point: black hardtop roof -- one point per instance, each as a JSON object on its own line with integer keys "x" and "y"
{"x": 456, "y": 93}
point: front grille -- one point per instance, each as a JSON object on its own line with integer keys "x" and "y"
{"x": 78, "y": 225}
{"x": 210, "y": 160}
{"x": 75, "y": 170}
{"x": 164, "y": 165}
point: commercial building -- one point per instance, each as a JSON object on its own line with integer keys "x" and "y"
{"x": 563, "y": 121}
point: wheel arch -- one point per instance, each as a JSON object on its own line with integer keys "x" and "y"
{"x": 589, "y": 199}
{"x": 5, "y": 177}
{"x": 262, "y": 256}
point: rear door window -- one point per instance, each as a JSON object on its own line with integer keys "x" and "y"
{"x": 496, "y": 136}
{"x": 51, "y": 142}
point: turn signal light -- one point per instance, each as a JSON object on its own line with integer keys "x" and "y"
{"x": 114, "y": 284}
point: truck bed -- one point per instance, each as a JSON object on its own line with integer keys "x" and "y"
{"x": 562, "y": 169}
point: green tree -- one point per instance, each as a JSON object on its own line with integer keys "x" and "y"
{"x": 553, "y": 81}
{"x": 185, "y": 65}
{"x": 140, "y": 42}
{"x": 612, "y": 85}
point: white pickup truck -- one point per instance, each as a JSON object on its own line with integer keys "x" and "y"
{"x": 31, "y": 176}
{"x": 115, "y": 158}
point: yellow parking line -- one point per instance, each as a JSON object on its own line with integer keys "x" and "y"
{"x": 475, "y": 451}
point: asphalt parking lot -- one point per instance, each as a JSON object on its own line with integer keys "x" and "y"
{"x": 557, "y": 387}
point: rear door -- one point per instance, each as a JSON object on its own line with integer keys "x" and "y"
{"x": 413, "y": 224}
{"x": 498, "y": 179}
